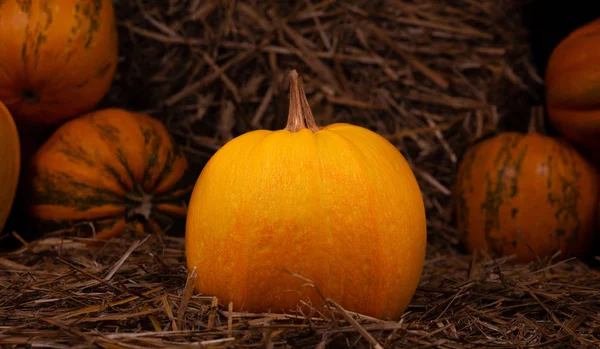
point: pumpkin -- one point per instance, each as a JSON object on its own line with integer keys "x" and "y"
{"x": 57, "y": 57}
{"x": 338, "y": 205}
{"x": 10, "y": 165}
{"x": 110, "y": 167}
{"x": 572, "y": 78}
{"x": 526, "y": 194}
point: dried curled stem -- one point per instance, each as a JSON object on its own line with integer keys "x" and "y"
{"x": 300, "y": 115}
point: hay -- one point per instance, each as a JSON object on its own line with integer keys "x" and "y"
{"x": 134, "y": 293}
{"x": 430, "y": 76}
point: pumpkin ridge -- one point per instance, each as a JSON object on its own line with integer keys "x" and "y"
{"x": 566, "y": 204}
{"x": 109, "y": 227}
{"x": 24, "y": 48}
{"x": 150, "y": 140}
{"x": 110, "y": 134}
{"x": 57, "y": 188}
{"x": 495, "y": 198}
{"x": 165, "y": 170}
{"x": 107, "y": 132}
{"x": 325, "y": 218}
{"x": 41, "y": 32}
{"x": 58, "y": 213}
{"x": 30, "y": 53}
{"x": 167, "y": 164}
{"x": 215, "y": 160}
{"x": 159, "y": 159}
{"x": 173, "y": 196}
{"x": 123, "y": 161}
{"x": 175, "y": 174}
{"x": 245, "y": 254}
{"x": 172, "y": 168}
{"x": 76, "y": 153}
{"x": 386, "y": 164}
{"x": 112, "y": 172}
{"x": 179, "y": 209}
{"x": 362, "y": 160}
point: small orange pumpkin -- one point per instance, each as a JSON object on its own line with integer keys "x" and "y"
{"x": 572, "y": 79}
{"x": 338, "y": 205}
{"x": 10, "y": 163}
{"x": 57, "y": 57}
{"x": 110, "y": 167}
{"x": 526, "y": 194}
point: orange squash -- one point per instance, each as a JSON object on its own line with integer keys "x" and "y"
{"x": 57, "y": 57}
{"x": 338, "y": 205}
{"x": 572, "y": 81}
{"x": 111, "y": 167}
{"x": 10, "y": 163}
{"x": 526, "y": 194}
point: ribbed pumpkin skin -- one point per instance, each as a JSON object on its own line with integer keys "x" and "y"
{"x": 529, "y": 183}
{"x": 339, "y": 206}
{"x": 57, "y": 57}
{"x": 96, "y": 166}
{"x": 572, "y": 81}
{"x": 10, "y": 163}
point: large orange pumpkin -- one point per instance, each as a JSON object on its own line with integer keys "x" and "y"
{"x": 526, "y": 194}
{"x": 572, "y": 82}
{"x": 10, "y": 163}
{"x": 338, "y": 205}
{"x": 57, "y": 57}
{"x": 110, "y": 167}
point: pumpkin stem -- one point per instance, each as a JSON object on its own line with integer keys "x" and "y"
{"x": 143, "y": 203}
{"x": 300, "y": 115}
{"x": 536, "y": 120}
{"x": 144, "y": 209}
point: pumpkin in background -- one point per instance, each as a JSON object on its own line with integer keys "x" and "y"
{"x": 10, "y": 163}
{"x": 110, "y": 167}
{"x": 338, "y": 205}
{"x": 519, "y": 192}
{"x": 57, "y": 57}
{"x": 572, "y": 80}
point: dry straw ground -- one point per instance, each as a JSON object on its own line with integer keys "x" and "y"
{"x": 132, "y": 293}
{"x": 431, "y": 76}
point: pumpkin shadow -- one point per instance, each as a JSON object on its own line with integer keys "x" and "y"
{"x": 19, "y": 221}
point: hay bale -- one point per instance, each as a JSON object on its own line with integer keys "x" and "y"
{"x": 430, "y": 76}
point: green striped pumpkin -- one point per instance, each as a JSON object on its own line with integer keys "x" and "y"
{"x": 111, "y": 168}
{"x": 530, "y": 195}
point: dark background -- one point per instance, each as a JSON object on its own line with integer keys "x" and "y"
{"x": 549, "y": 21}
